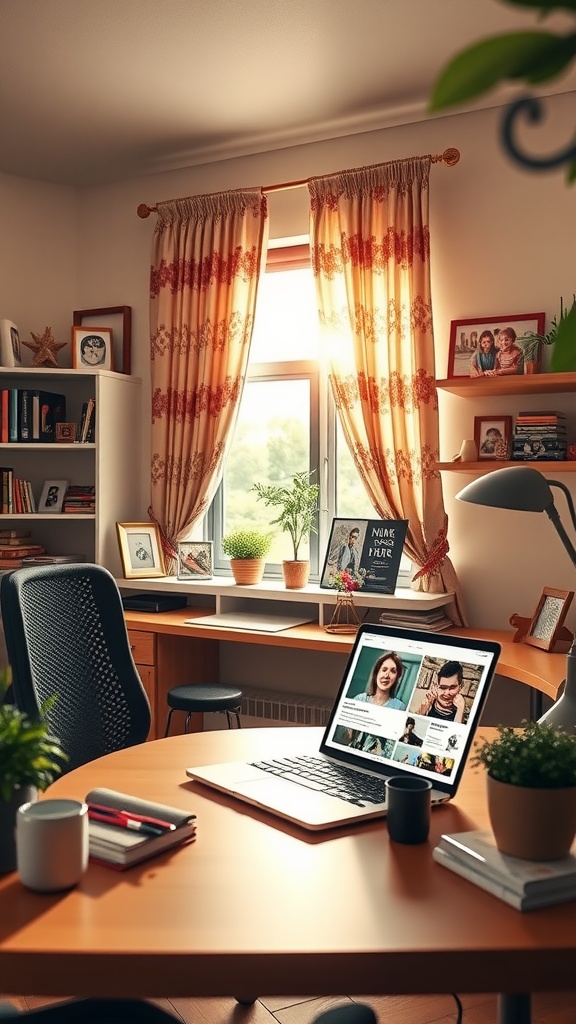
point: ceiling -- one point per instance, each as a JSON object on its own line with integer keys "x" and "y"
{"x": 93, "y": 91}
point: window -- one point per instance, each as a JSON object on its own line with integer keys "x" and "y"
{"x": 287, "y": 421}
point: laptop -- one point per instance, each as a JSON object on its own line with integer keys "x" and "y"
{"x": 434, "y": 687}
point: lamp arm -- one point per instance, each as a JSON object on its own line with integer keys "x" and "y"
{"x": 568, "y": 496}
{"x": 554, "y": 517}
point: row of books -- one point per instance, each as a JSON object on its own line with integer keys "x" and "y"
{"x": 540, "y": 435}
{"x": 87, "y": 428}
{"x": 523, "y": 884}
{"x": 17, "y": 496}
{"x": 30, "y": 415}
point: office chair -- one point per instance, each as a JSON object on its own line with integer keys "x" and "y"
{"x": 201, "y": 697}
{"x": 66, "y": 635}
{"x": 90, "y": 1011}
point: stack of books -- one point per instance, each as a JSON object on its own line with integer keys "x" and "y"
{"x": 125, "y": 830}
{"x": 540, "y": 435}
{"x": 524, "y": 884}
{"x": 15, "y": 545}
{"x": 16, "y": 495}
{"x": 80, "y": 499}
{"x": 434, "y": 621}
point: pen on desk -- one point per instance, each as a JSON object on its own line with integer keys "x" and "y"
{"x": 127, "y": 819}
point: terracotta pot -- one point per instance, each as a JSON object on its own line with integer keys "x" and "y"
{"x": 21, "y": 795}
{"x": 247, "y": 571}
{"x": 295, "y": 573}
{"x": 535, "y": 824}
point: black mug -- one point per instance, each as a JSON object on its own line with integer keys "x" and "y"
{"x": 408, "y": 802}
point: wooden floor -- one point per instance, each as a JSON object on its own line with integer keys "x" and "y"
{"x": 552, "y": 1008}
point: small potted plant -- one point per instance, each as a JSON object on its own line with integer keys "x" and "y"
{"x": 531, "y": 344}
{"x": 298, "y": 505}
{"x": 531, "y": 778}
{"x": 29, "y": 758}
{"x": 247, "y": 550}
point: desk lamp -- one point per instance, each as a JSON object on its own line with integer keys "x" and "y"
{"x": 527, "y": 490}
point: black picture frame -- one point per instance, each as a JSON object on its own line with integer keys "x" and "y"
{"x": 378, "y": 548}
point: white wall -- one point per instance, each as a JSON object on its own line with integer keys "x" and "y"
{"x": 502, "y": 242}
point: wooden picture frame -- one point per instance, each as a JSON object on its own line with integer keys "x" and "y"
{"x": 195, "y": 559}
{"x": 493, "y": 437}
{"x": 140, "y": 550}
{"x": 119, "y": 319}
{"x": 466, "y": 333}
{"x": 547, "y": 624}
{"x": 52, "y": 497}
{"x": 92, "y": 348}
{"x": 66, "y": 432}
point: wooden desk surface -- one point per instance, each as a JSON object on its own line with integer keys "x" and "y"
{"x": 257, "y": 907}
{"x": 540, "y": 669}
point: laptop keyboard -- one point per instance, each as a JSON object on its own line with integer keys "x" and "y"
{"x": 325, "y": 777}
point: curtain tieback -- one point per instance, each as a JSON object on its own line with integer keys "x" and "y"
{"x": 167, "y": 547}
{"x": 438, "y": 553}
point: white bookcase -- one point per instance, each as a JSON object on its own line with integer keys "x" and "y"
{"x": 110, "y": 462}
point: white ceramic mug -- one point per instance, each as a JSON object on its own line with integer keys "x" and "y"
{"x": 52, "y": 844}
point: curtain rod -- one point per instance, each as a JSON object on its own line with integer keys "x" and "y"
{"x": 450, "y": 157}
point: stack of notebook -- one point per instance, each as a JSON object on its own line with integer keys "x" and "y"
{"x": 125, "y": 830}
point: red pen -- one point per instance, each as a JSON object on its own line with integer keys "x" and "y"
{"x": 126, "y": 819}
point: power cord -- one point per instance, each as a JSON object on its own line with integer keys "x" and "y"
{"x": 459, "y": 1008}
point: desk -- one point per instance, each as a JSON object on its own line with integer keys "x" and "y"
{"x": 257, "y": 907}
{"x": 167, "y": 651}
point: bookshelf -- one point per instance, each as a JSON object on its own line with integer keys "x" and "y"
{"x": 108, "y": 463}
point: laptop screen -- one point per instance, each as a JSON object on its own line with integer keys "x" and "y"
{"x": 410, "y": 701}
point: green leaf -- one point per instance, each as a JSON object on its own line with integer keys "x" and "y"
{"x": 534, "y": 56}
{"x": 564, "y": 352}
{"x": 545, "y": 6}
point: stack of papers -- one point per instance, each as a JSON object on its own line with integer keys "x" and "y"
{"x": 124, "y": 830}
{"x": 435, "y": 620}
{"x": 524, "y": 884}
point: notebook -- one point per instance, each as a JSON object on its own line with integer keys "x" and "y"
{"x": 434, "y": 687}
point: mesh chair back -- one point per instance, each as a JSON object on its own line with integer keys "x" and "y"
{"x": 66, "y": 634}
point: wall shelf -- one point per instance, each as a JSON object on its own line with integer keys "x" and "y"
{"x": 526, "y": 384}
{"x": 486, "y": 466}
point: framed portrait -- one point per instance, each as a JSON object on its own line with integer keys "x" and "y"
{"x": 52, "y": 497}
{"x": 493, "y": 436}
{"x": 119, "y": 320}
{"x": 10, "y": 349}
{"x": 195, "y": 560}
{"x": 480, "y": 345}
{"x": 547, "y": 624}
{"x": 140, "y": 550}
{"x": 368, "y": 551}
{"x": 92, "y": 348}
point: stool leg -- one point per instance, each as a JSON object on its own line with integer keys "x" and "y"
{"x": 187, "y": 722}
{"x": 233, "y": 713}
{"x": 168, "y": 722}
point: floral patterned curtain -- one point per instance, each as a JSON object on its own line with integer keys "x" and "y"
{"x": 370, "y": 249}
{"x": 207, "y": 254}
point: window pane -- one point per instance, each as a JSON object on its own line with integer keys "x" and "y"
{"x": 271, "y": 444}
{"x": 286, "y": 322}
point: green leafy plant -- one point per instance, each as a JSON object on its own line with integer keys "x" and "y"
{"x": 246, "y": 544}
{"x": 29, "y": 755}
{"x": 298, "y": 504}
{"x": 564, "y": 328}
{"x": 535, "y": 756}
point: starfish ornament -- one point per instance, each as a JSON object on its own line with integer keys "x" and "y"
{"x": 44, "y": 348}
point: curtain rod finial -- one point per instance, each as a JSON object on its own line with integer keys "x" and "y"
{"x": 143, "y": 211}
{"x": 451, "y": 156}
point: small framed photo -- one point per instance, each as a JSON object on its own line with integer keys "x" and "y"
{"x": 140, "y": 550}
{"x": 490, "y": 346}
{"x": 92, "y": 348}
{"x": 195, "y": 560}
{"x": 546, "y": 627}
{"x": 493, "y": 436}
{"x": 66, "y": 433}
{"x": 119, "y": 319}
{"x": 52, "y": 497}
{"x": 10, "y": 349}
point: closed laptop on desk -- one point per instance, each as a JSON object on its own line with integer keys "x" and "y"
{"x": 409, "y": 703}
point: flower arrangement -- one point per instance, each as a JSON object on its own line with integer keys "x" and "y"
{"x": 535, "y": 756}
{"x": 346, "y": 583}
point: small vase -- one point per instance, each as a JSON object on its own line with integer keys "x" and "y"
{"x": 247, "y": 571}
{"x": 21, "y": 795}
{"x": 295, "y": 573}
{"x": 534, "y": 824}
{"x": 345, "y": 618}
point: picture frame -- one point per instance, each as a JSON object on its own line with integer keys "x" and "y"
{"x": 119, "y": 318}
{"x": 373, "y": 557}
{"x": 195, "y": 560}
{"x": 465, "y": 335}
{"x": 140, "y": 550}
{"x": 52, "y": 496}
{"x": 66, "y": 432}
{"x": 92, "y": 348}
{"x": 10, "y": 346}
{"x": 547, "y": 624}
{"x": 493, "y": 437}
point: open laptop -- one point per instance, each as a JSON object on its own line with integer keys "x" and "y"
{"x": 439, "y": 684}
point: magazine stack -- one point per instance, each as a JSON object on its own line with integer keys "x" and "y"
{"x": 540, "y": 435}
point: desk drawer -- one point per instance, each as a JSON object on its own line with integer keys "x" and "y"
{"x": 142, "y": 646}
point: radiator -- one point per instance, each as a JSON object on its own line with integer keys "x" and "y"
{"x": 298, "y": 708}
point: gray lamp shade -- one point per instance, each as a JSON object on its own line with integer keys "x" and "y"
{"x": 517, "y": 487}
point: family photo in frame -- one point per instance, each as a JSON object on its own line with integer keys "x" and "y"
{"x": 493, "y": 436}
{"x": 493, "y": 346}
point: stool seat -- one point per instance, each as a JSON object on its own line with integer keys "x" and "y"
{"x": 200, "y": 697}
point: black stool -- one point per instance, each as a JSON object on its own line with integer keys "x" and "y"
{"x": 200, "y": 697}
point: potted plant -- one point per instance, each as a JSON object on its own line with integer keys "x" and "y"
{"x": 531, "y": 789}
{"x": 531, "y": 343}
{"x": 298, "y": 505}
{"x": 247, "y": 550}
{"x": 29, "y": 758}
